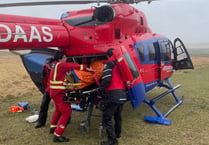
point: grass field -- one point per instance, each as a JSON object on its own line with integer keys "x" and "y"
{"x": 189, "y": 121}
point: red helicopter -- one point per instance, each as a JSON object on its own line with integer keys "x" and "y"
{"x": 146, "y": 59}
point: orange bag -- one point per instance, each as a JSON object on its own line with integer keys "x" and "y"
{"x": 16, "y": 109}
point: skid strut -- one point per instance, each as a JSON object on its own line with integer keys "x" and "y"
{"x": 85, "y": 124}
{"x": 161, "y": 118}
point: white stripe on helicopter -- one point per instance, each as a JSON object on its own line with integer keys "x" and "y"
{"x": 20, "y": 34}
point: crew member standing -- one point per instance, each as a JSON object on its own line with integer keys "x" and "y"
{"x": 57, "y": 93}
{"x": 46, "y": 97}
{"x": 115, "y": 95}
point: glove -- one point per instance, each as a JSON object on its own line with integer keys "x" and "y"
{"x": 101, "y": 92}
{"x": 101, "y": 105}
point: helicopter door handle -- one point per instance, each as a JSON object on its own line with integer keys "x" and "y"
{"x": 130, "y": 83}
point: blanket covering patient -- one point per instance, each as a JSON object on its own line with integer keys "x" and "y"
{"x": 77, "y": 79}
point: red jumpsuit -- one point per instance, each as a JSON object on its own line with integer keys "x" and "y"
{"x": 57, "y": 92}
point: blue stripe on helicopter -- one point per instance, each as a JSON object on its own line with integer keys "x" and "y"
{"x": 150, "y": 85}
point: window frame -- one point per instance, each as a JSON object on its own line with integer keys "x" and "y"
{"x": 141, "y": 53}
{"x": 131, "y": 65}
{"x": 152, "y": 56}
{"x": 165, "y": 49}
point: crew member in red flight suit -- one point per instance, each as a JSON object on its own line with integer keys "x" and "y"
{"x": 112, "y": 85}
{"x": 57, "y": 93}
{"x": 46, "y": 97}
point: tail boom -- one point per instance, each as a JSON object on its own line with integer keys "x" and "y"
{"x": 20, "y": 32}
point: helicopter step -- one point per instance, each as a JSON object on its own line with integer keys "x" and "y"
{"x": 161, "y": 118}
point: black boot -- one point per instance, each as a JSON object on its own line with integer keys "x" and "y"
{"x": 110, "y": 142}
{"x": 61, "y": 139}
{"x": 39, "y": 125}
{"x": 51, "y": 131}
{"x": 118, "y": 135}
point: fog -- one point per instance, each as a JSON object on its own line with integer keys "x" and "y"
{"x": 186, "y": 19}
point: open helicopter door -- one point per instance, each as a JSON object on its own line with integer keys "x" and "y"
{"x": 182, "y": 59}
{"x": 132, "y": 78}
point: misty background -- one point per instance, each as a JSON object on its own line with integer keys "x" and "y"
{"x": 186, "y": 19}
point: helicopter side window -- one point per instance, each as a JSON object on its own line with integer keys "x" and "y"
{"x": 140, "y": 50}
{"x": 131, "y": 65}
{"x": 152, "y": 53}
{"x": 165, "y": 51}
{"x": 80, "y": 21}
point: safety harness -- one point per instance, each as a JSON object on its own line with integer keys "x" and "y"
{"x": 57, "y": 84}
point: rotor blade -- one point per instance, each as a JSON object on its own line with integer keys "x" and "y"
{"x": 70, "y": 2}
{"x": 50, "y": 3}
{"x": 138, "y": 1}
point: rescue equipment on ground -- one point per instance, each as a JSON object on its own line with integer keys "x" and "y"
{"x": 16, "y": 109}
{"x": 76, "y": 107}
{"x": 25, "y": 105}
{"x": 32, "y": 118}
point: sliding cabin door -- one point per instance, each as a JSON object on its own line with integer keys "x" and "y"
{"x": 147, "y": 56}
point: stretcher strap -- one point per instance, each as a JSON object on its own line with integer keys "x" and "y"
{"x": 96, "y": 79}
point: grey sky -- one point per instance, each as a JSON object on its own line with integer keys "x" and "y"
{"x": 186, "y": 19}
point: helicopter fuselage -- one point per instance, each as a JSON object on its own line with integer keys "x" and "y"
{"x": 145, "y": 59}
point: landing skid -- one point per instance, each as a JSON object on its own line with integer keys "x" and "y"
{"x": 161, "y": 118}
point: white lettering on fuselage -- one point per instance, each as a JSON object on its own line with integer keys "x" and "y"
{"x": 34, "y": 34}
{"x": 168, "y": 68}
{"x": 21, "y": 35}
{"x": 9, "y": 33}
{"x": 44, "y": 30}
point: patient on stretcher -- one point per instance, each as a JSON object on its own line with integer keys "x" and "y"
{"x": 77, "y": 79}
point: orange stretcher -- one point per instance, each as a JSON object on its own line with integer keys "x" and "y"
{"x": 77, "y": 79}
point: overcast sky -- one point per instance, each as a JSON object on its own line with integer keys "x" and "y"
{"x": 186, "y": 19}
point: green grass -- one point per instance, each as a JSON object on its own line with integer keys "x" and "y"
{"x": 189, "y": 121}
